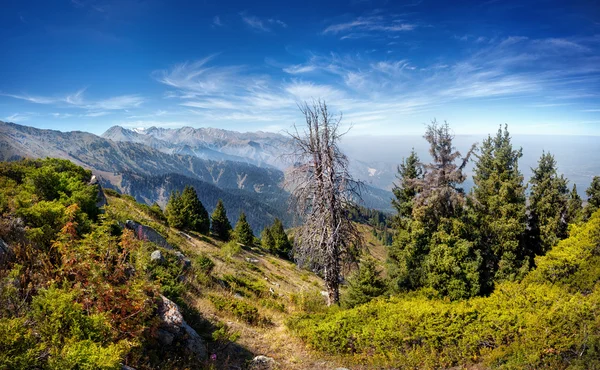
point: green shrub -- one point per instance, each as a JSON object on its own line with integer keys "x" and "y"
{"x": 245, "y": 285}
{"x": 549, "y": 320}
{"x": 240, "y": 309}
{"x": 18, "y": 345}
{"x": 309, "y": 301}
{"x": 230, "y": 249}
{"x": 204, "y": 264}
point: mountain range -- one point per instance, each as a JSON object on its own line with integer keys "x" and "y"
{"x": 243, "y": 169}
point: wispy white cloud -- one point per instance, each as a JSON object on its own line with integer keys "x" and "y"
{"x": 262, "y": 24}
{"x": 278, "y": 22}
{"x": 20, "y": 117}
{"x": 76, "y": 100}
{"x": 255, "y": 23}
{"x": 217, "y": 21}
{"x": 378, "y": 92}
{"x": 370, "y": 23}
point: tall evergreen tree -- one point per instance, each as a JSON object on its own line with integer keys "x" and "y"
{"x": 498, "y": 205}
{"x": 593, "y": 193}
{"x": 547, "y": 205}
{"x": 434, "y": 249}
{"x": 574, "y": 206}
{"x": 441, "y": 195}
{"x": 266, "y": 239}
{"x": 282, "y": 245}
{"x": 405, "y": 190}
{"x": 194, "y": 212}
{"x": 243, "y": 232}
{"x": 173, "y": 211}
{"x": 220, "y": 223}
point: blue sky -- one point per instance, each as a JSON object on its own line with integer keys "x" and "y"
{"x": 388, "y": 66}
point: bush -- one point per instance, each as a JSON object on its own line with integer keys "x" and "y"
{"x": 240, "y": 309}
{"x": 204, "y": 264}
{"x": 548, "y": 320}
{"x": 230, "y": 249}
{"x": 364, "y": 285}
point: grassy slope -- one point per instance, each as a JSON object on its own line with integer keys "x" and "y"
{"x": 297, "y": 290}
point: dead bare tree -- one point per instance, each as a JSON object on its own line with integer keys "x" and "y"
{"x": 322, "y": 196}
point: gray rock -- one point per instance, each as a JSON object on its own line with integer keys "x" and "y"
{"x": 262, "y": 363}
{"x": 173, "y": 328}
{"x": 5, "y": 249}
{"x": 251, "y": 260}
{"x": 144, "y": 232}
{"x": 101, "y": 198}
{"x": 156, "y": 256}
{"x": 187, "y": 263}
{"x": 125, "y": 367}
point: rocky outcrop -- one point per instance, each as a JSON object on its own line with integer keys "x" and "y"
{"x": 174, "y": 329}
{"x": 144, "y": 232}
{"x": 100, "y": 198}
{"x": 262, "y": 363}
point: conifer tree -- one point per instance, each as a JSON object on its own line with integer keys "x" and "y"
{"x": 405, "y": 190}
{"x": 220, "y": 223}
{"x": 175, "y": 216}
{"x": 574, "y": 206}
{"x": 266, "y": 239}
{"x": 434, "y": 250}
{"x": 282, "y": 245}
{"x": 364, "y": 285}
{"x": 194, "y": 213}
{"x": 243, "y": 232}
{"x": 593, "y": 201}
{"x": 498, "y": 204}
{"x": 547, "y": 206}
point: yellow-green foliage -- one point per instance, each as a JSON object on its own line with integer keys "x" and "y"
{"x": 73, "y": 295}
{"x": 548, "y": 320}
{"x": 240, "y": 309}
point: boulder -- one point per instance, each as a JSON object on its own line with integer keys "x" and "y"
{"x": 156, "y": 256}
{"x": 101, "y": 198}
{"x": 262, "y": 363}
{"x": 173, "y": 328}
{"x": 144, "y": 232}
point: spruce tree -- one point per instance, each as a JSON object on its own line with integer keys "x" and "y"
{"x": 574, "y": 206}
{"x": 547, "y": 206}
{"x": 243, "y": 232}
{"x": 196, "y": 216}
{"x": 220, "y": 223}
{"x": 266, "y": 240}
{"x": 593, "y": 201}
{"x": 405, "y": 190}
{"x": 173, "y": 211}
{"x": 282, "y": 246}
{"x": 434, "y": 250}
{"x": 498, "y": 206}
{"x": 364, "y": 285}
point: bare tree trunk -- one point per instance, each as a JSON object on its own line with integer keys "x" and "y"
{"x": 323, "y": 193}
